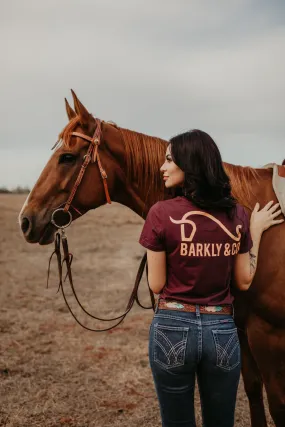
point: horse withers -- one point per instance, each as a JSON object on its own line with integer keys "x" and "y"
{"x": 132, "y": 161}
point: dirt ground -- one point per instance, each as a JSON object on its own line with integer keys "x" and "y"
{"x": 52, "y": 372}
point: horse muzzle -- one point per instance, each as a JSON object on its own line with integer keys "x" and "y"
{"x": 36, "y": 231}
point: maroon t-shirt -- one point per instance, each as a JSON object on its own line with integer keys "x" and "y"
{"x": 200, "y": 248}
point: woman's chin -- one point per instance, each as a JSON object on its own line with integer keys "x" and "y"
{"x": 167, "y": 184}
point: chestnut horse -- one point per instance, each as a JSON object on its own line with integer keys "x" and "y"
{"x": 132, "y": 162}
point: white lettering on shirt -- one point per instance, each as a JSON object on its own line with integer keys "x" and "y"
{"x": 208, "y": 249}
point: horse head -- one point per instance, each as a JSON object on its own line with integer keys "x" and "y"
{"x": 58, "y": 177}
{"x": 130, "y": 161}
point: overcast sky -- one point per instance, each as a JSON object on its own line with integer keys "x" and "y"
{"x": 155, "y": 66}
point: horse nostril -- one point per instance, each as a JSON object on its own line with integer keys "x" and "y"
{"x": 25, "y": 225}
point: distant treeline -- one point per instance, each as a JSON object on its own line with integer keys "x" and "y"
{"x": 17, "y": 190}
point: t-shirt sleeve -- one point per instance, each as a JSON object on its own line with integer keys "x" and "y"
{"x": 152, "y": 236}
{"x": 246, "y": 241}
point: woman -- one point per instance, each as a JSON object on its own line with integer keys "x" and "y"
{"x": 199, "y": 243}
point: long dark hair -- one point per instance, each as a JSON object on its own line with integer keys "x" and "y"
{"x": 206, "y": 183}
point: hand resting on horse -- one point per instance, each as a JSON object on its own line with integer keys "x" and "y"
{"x": 245, "y": 264}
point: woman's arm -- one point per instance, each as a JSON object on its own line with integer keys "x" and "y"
{"x": 245, "y": 264}
{"x": 156, "y": 270}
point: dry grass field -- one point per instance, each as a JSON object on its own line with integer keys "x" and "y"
{"x": 52, "y": 372}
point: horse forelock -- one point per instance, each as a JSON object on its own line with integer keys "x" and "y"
{"x": 64, "y": 138}
{"x": 144, "y": 157}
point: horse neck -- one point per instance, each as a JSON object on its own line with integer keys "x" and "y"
{"x": 140, "y": 180}
{"x": 140, "y": 183}
{"x": 250, "y": 185}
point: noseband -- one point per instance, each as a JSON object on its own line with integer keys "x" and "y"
{"x": 92, "y": 155}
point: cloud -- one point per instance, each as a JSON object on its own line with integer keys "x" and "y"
{"x": 157, "y": 67}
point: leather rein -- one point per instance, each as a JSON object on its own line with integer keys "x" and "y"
{"x": 66, "y": 258}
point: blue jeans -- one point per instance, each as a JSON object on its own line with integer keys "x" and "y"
{"x": 185, "y": 345}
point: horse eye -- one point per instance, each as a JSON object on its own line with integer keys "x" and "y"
{"x": 67, "y": 158}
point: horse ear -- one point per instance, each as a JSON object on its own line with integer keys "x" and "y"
{"x": 84, "y": 115}
{"x": 70, "y": 112}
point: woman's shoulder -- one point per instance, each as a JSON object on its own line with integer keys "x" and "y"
{"x": 240, "y": 208}
{"x": 241, "y": 212}
{"x": 169, "y": 204}
{"x": 175, "y": 201}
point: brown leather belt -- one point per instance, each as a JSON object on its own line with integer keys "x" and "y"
{"x": 191, "y": 308}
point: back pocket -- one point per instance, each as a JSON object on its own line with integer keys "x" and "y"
{"x": 227, "y": 348}
{"x": 170, "y": 345}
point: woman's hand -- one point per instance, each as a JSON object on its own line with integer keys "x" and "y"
{"x": 262, "y": 219}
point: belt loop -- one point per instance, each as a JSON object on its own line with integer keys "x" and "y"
{"x": 156, "y": 306}
{"x": 198, "y": 311}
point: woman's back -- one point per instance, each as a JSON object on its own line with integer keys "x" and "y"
{"x": 200, "y": 249}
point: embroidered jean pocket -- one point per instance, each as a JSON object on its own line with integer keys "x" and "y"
{"x": 170, "y": 345}
{"x": 227, "y": 348}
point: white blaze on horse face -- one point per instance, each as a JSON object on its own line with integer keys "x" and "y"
{"x": 27, "y": 200}
{"x": 23, "y": 208}
{"x": 172, "y": 174}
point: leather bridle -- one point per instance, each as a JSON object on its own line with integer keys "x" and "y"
{"x": 92, "y": 155}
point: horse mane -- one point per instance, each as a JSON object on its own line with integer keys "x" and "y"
{"x": 144, "y": 157}
{"x": 242, "y": 179}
